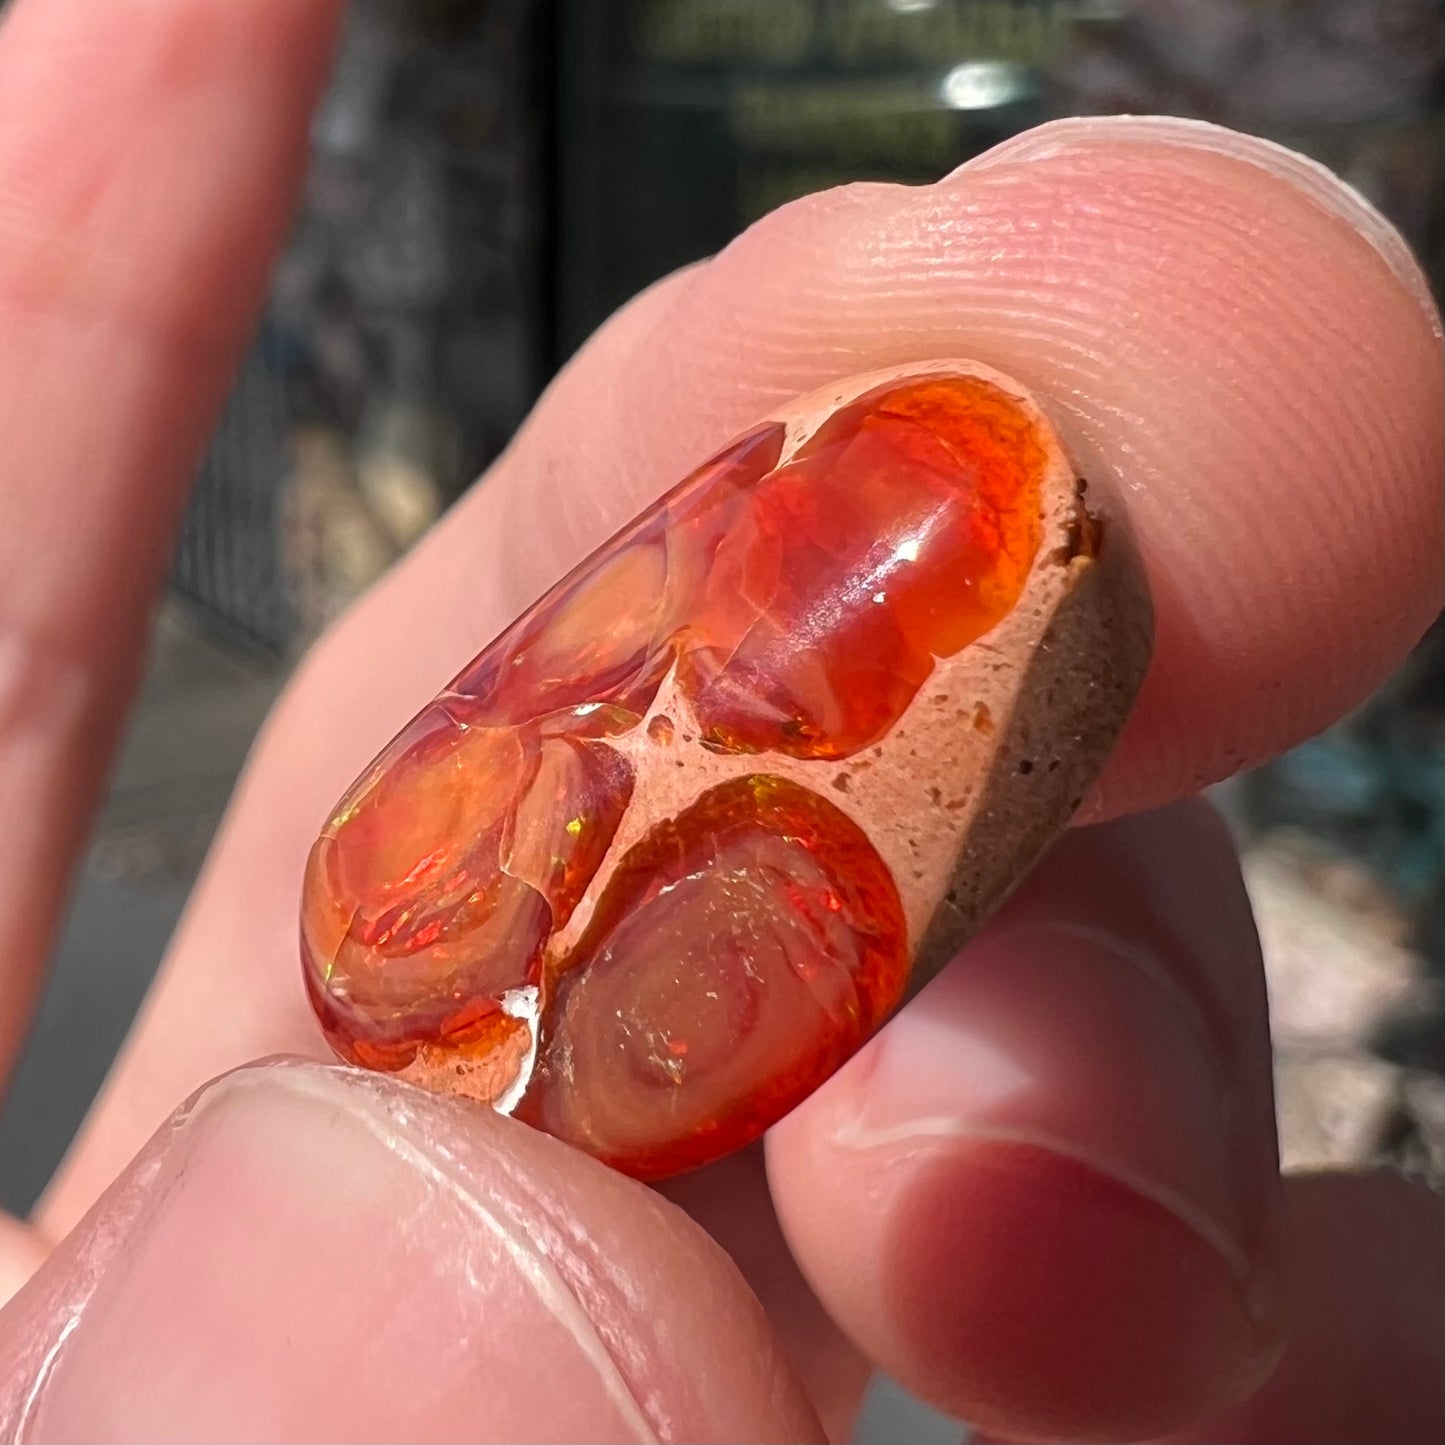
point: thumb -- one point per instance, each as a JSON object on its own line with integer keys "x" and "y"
{"x": 309, "y": 1253}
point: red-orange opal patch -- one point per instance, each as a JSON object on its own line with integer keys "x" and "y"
{"x": 730, "y": 956}
{"x": 740, "y": 954}
{"x": 901, "y": 531}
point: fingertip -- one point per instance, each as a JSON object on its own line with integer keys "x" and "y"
{"x": 1085, "y": 1310}
{"x": 1280, "y": 450}
{"x": 1036, "y": 1295}
{"x": 313, "y": 1253}
{"x": 1046, "y": 1196}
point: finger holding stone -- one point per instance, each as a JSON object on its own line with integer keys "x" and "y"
{"x": 1047, "y": 1196}
{"x": 311, "y": 1253}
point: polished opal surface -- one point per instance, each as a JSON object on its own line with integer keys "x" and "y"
{"x": 595, "y": 882}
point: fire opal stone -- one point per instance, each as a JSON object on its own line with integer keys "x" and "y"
{"x": 533, "y": 898}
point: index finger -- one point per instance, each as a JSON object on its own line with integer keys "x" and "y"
{"x": 1224, "y": 332}
{"x": 149, "y": 153}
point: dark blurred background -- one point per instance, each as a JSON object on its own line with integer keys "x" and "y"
{"x": 491, "y": 178}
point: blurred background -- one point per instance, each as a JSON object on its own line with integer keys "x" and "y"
{"x": 490, "y": 179}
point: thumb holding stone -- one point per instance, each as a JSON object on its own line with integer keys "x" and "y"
{"x": 308, "y": 1253}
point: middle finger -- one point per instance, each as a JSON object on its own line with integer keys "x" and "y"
{"x": 1047, "y": 1195}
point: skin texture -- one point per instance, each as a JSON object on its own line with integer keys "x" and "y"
{"x": 1229, "y": 341}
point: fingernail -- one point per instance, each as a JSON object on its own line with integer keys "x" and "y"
{"x": 1111, "y": 1066}
{"x": 311, "y": 1253}
{"x": 1320, "y": 185}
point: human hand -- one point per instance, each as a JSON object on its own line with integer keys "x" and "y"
{"x": 1047, "y": 1196}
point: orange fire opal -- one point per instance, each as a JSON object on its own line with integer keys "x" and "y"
{"x": 591, "y": 883}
